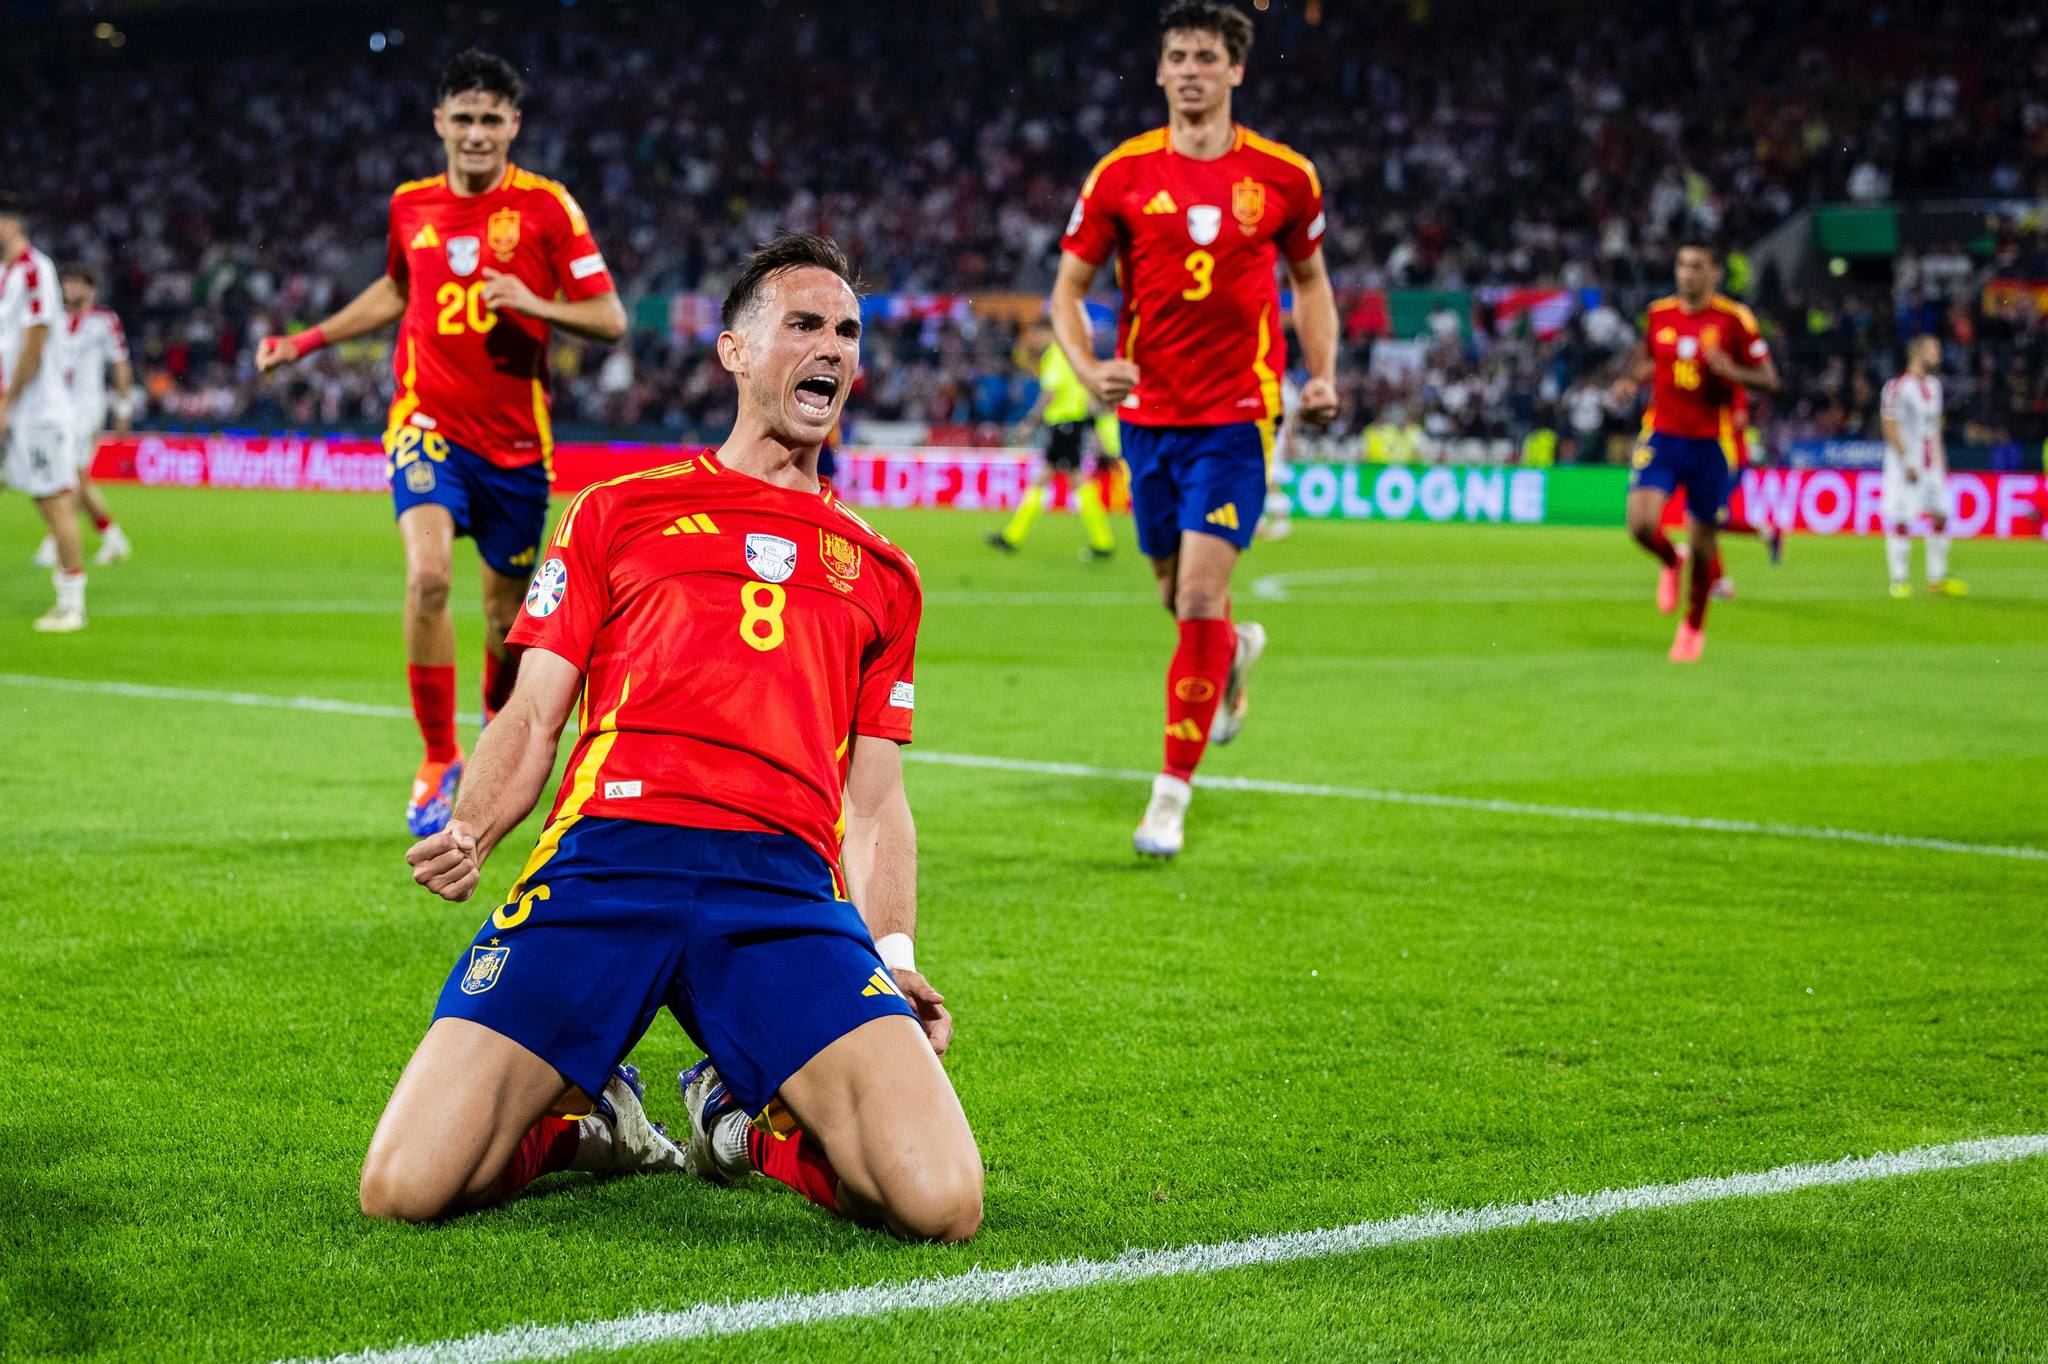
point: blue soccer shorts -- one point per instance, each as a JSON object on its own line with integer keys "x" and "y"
{"x": 504, "y": 510}
{"x": 1698, "y": 464}
{"x": 742, "y": 936}
{"x": 1208, "y": 479}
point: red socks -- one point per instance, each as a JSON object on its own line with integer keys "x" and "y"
{"x": 1194, "y": 687}
{"x": 100, "y": 522}
{"x": 549, "y": 1145}
{"x": 1699, "y": 586}
{"x": 499, "y": 675}
{"x": 1660, "y": 545}
{"x": 797, "y": 1161}
{"x": 433, "y": 705}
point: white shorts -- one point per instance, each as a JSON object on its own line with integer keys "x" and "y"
{"x": 1903, "y": 501}
{"x": 85, "y": 443}
{"x": 41, "y": 458}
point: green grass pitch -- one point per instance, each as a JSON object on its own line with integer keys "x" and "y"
{"x": 213, "y": 964}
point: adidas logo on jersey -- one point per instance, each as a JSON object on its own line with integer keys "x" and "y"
{"x": 1162, "y": 202}
{"x": 696, "y": 524}
{"x": 1184, "y": 729}
{"x": 879, "y": 984}
{"x": 1225, "y": 516}
{"x": 424, "y": 238}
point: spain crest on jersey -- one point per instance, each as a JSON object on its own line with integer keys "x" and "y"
{"x": 841, "y": 555}
{"x": 1248, "y": 204}
{"x": 486, "y": 965}
{"x": 463, "y": 253}
{"x": 502, "y": 233}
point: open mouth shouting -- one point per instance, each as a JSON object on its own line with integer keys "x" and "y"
{"x": 815, "y": 395}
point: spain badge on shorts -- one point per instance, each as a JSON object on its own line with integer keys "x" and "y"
{"x": 486, "y": 964}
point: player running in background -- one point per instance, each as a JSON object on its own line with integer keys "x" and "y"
{"x": 89, "y": 343}
{"x": 1916, "y": 470}
{"x": 480, "y": 263}
{"x": 1197, "y": 214}
{"x": 1065, "y": 409}
{"x": 743, "y": 646}
{"x": 1738, "y": 435}
{"x": 34, "y": 435}
{"x": 1687, "y": 349}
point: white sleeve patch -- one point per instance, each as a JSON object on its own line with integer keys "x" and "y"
{"x": 583, "y": 267}
{"x": 1074, "y": 220}
{"x": 1758, "y": 350}
{"x": 903, "y": 695}
{"x": 1315, "y": 229}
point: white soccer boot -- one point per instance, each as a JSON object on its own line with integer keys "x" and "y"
{"x": 639, "y": 1146}
{"x": 1159, "y": 833}
{"x": 114, "y": 547}
{"x": 1251, "y": 642}
{"x": 59, "y": 621}
{"x": 717, "y": 1149}
{"x": 46, "y": 553}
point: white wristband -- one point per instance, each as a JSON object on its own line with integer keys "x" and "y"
{"x": 897, "y": 953}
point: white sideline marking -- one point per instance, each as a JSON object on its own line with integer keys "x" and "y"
{"x": 981, "y": 1287}
{"x": 1476, "y": 804}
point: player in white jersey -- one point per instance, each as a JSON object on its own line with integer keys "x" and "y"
{"x": 32, "y": 427}
{"x": 1916, "y": 470}
{"x": 89, "y": 343}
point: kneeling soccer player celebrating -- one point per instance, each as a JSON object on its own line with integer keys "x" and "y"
{"x": 743, "y": 645}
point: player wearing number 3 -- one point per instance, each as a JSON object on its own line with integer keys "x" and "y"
{"x": 1198, "y": 215}
{"x": 730, "y": 839}
{"x": 480, "y": 263}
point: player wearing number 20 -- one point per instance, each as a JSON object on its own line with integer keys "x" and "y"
{"x": 481, "y": 262}
{"x": 1199, "y": 214}
{"x": 731, "y": 838}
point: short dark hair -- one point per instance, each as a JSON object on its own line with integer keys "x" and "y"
{"x": 474, "y": 69}
{"x": 81, "y": 272}
{"x": 1699, "y": 241}
{"x": 788, "y": 251}
{"x": 1227, "y": 22}
{"x": 12, "y": 205}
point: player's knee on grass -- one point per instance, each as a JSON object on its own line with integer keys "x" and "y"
{"x": 939, "y": 1201}
{"x": 398, "y": 1186}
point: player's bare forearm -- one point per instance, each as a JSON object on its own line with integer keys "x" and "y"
{"x": 375, "y": 308}
{"x": 879, "y": 851}
{"x": 1071, "y": 332}
{"x": 124, "y": 390}
{"x": 1315, "y": 314}
{"x": 517, "y": 752}
{"x": 602, "y": 318}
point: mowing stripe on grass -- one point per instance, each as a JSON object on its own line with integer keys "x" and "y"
{"x": 1475, "y": 804}
{"x": 981, "y": 1287}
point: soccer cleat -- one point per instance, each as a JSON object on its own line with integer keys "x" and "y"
{"x": 1774, "y": 545}
{"x": 711, "y": 1106}
{"x": 1948, "y": 587}
{"x": 58, "y": 621}
{"x": 1901, "y": 591}
{"x": 1090, "y": 554}
{"x": 114, "y": 547}
{"x": 1690, "y": 643}
{"x": 1251, "y": 642}
{"x": 639, "y": 1146}
{"x": 433, "y": 797}
{"x": 1667, "y": 589}
{"x": 996, "y": 540}
{"x": 1159, "y": 833}
{"x": 1723, "y": 589}
{"x": 46, "y": 553}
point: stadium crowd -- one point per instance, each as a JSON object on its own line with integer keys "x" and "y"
{"x": 228, "y": 184}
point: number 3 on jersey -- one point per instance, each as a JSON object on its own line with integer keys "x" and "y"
{"x": 761, "y": 615}
{"x": 1201, "y": 267}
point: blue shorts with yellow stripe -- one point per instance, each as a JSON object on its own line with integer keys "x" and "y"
{"x": 506, "y": 510}
{"x": 1698, "y": 464}
{"x": 742, "y": 936}
{"x": 1207, "y": 479}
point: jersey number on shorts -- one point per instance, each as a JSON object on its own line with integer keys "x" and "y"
{"x": 1201, "y": 266}
{"x": 761, "y": 615}
{"x": 460, "y": 305}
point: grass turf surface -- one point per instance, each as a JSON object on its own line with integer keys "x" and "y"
{"x": 214, "y": 963}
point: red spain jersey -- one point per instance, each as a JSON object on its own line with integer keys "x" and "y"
{"x": 734, "y": 637}
{"x": 1687, "y": 398}
{"x": 480, "y": 377}
{"x": 1197, "y": 244}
